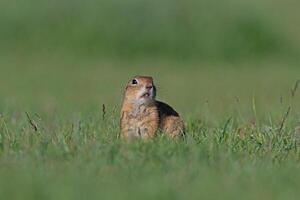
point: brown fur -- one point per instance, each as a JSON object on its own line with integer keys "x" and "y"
{"x": 142, "y": 117}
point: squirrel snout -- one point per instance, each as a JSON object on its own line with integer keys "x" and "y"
{"x": 149, "y": 87}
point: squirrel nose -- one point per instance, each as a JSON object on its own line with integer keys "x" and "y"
{"x": 149, "y": 87}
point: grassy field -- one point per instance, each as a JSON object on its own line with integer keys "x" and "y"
{"x": 239, "y": 142}
{"x": 230, "y": 68}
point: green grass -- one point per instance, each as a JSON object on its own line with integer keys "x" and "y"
{"x": 234, "y": 147}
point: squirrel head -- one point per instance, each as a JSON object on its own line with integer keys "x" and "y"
{"x": 140, "y": 90}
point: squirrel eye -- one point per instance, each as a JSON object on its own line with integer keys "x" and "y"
{"x": 134, "y": 82}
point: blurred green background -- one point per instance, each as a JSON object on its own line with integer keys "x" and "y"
{"x": 73, "y": 55}
{"x": 165, "y": 29}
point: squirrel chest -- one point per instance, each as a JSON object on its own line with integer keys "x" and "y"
{"x": 140, "y": 122}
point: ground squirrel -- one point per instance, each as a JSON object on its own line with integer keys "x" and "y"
{"x": 142, "y": 116}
